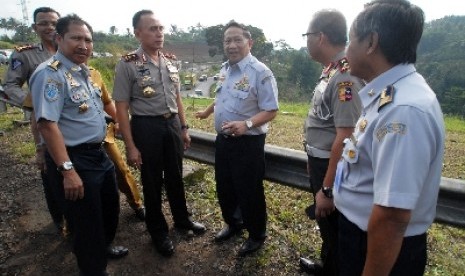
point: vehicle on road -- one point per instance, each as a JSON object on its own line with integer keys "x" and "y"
{"x": 203, "y": 78}
{"x": 215, "y": 77}
{"x": 198, "y": 92}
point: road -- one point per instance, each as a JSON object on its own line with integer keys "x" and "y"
{"x": 204, "y": 86}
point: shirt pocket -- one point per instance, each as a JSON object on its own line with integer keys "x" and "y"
{"x": 239, "y": 102}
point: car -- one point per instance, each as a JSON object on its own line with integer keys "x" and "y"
{"x": 215, "y": 77}
{"x": 4, "y": 57}
{"x": 198, "y": 92}
{"x": 203, "y": 78}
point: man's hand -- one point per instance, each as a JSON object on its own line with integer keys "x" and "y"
{"x": 324, "y": 206}
{"x": 235, "y": 128}
{"x": 186, "y": 138}
{"x": 74, "y": 189}
{"x": 133, "y": 157}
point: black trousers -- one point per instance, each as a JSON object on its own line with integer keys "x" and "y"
{"x": 353, "y": 250}
{"x": 54, "y": 203}
{"x": 328, "y": 225}
{"x": 94, "y": 217}
{"x": 160, "y": 144}
{"x": 239, "y": 172}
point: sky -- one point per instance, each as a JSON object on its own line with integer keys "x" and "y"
{"x": 286, "y": 20}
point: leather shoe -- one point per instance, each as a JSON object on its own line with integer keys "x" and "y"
{"x": 140, "y": 213}
{"x": 250, "y": 246}
{"x": 227, "y": 232}
{"x": 117, "y": 252}
{"x": 164, "y": 246}
{"x": 196, "y": 227}
{"x": 310, "y": 266}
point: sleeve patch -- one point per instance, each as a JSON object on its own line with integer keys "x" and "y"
{"x": 345, "y": 91}
{"x": 15, "y": 64}
{"x": 394, "y": 128}
{"x": 52, "y": 90}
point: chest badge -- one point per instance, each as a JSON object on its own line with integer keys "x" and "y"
{"x": 148, "y": 92}
{"x": 363, "y": 125}
{"x": 83, "y": 108}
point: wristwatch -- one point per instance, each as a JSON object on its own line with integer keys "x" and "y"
{"x": 327, "y": 191}
{"x": 249, "y": 124}
{"x": 66, "y": 166}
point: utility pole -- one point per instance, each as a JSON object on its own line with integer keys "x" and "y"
{"x": 25, "y": 13}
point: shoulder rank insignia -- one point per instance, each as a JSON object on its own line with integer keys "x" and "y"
{"x": 130, "y": 57}
{"x": 20, "y": 49}
{"x": 345, "y": 91}
{"x": 343, "y": 65}
{"x": 170, "y": 56}
{"x": 387, "y": 96}
{"x": 54, "y": 64}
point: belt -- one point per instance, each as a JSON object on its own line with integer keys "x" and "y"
{"x": 315, "y": 152}
{"x": 165, "y": 116}
{"x": 86, "y": 146}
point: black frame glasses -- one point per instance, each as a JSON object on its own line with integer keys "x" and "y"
{"x": 310, "y": 33}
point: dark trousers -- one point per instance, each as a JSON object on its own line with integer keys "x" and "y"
{"x": 239, "y": 172}
{"x": 54, "y": 203}
{"x": 94, "y": 217}
{"x": 328, "y": 225}
{"x": 353, "y": 250}
{"x": 160, "y": 144}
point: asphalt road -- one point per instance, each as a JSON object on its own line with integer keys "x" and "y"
{"x": 203, "y": 86}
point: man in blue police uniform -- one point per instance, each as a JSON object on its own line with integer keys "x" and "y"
{"x": 387, "y": 184}
{"x": 246, "y": 100}
{"x": 147, "y": 86}
{"x": 71, "y": 120}
{"x": 334, "y": 112}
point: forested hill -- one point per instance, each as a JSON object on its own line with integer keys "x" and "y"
{"x": 441, "y": 59}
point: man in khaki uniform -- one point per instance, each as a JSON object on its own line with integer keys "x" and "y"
{"x": 126, "y": 181}
{"x": 24, "y": 61}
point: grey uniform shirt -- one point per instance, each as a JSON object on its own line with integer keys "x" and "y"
{"x": 151, "y": 89}
{"x": 24, "y": 60}
{"x": 63, "y": 92}
{"x": 243, "y": 90}
{"x": 335, "y": 103}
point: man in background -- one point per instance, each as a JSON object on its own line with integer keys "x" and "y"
{"x": 331, "y": 119}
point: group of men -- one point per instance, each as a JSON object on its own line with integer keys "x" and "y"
{"x": 374, "y": 137}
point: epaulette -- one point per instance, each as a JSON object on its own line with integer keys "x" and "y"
{"x": 130, "y": 57}
{"x": 54, "y": 63}
{"x": 170, "y": 56}
{"x": 387, "y": 96}
{"x": 20, "y": 49}
{"x": 343, "y": 65}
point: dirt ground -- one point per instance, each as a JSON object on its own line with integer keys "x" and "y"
{"x": 29, "y": 244}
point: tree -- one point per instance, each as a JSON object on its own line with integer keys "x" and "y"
{"x": 113, "y": 30}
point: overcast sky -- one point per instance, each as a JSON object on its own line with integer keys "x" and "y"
{"x": 286, "y": 19}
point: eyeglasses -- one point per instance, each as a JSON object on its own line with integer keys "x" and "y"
{"x": 46, "y": 23}
{"x": 310, "y": 33}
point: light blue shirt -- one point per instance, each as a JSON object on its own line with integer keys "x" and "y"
{"x": 63, "y": 92}
{"x": 394, "y": 158}
{"x": 243, "y": 90}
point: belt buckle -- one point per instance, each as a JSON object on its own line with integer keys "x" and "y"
{"x": 167, "y": 115}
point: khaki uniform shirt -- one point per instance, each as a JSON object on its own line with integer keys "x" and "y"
{"x": 24, "y": 60}
{"x": 335, "y": 103}
{"x": 151, "y": 89}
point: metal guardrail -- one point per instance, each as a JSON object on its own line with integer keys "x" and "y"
{"x": 289, "y": 167}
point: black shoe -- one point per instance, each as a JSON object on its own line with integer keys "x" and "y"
{"x": 310, "y": 267}
{"x": 196, "y": 227}
{"x": 140, "y": 213}
{"x": 227, "y": 232}
{"x": 250, "y": 246}
{"x": 117, "y": 252}
{"x": 164, "y": 246}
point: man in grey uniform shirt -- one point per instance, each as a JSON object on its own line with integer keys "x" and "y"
{"x": 147, "y": 87}
{"x": 332, "y": 117}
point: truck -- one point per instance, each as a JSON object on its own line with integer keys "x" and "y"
{"x": 189, "y": 81}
